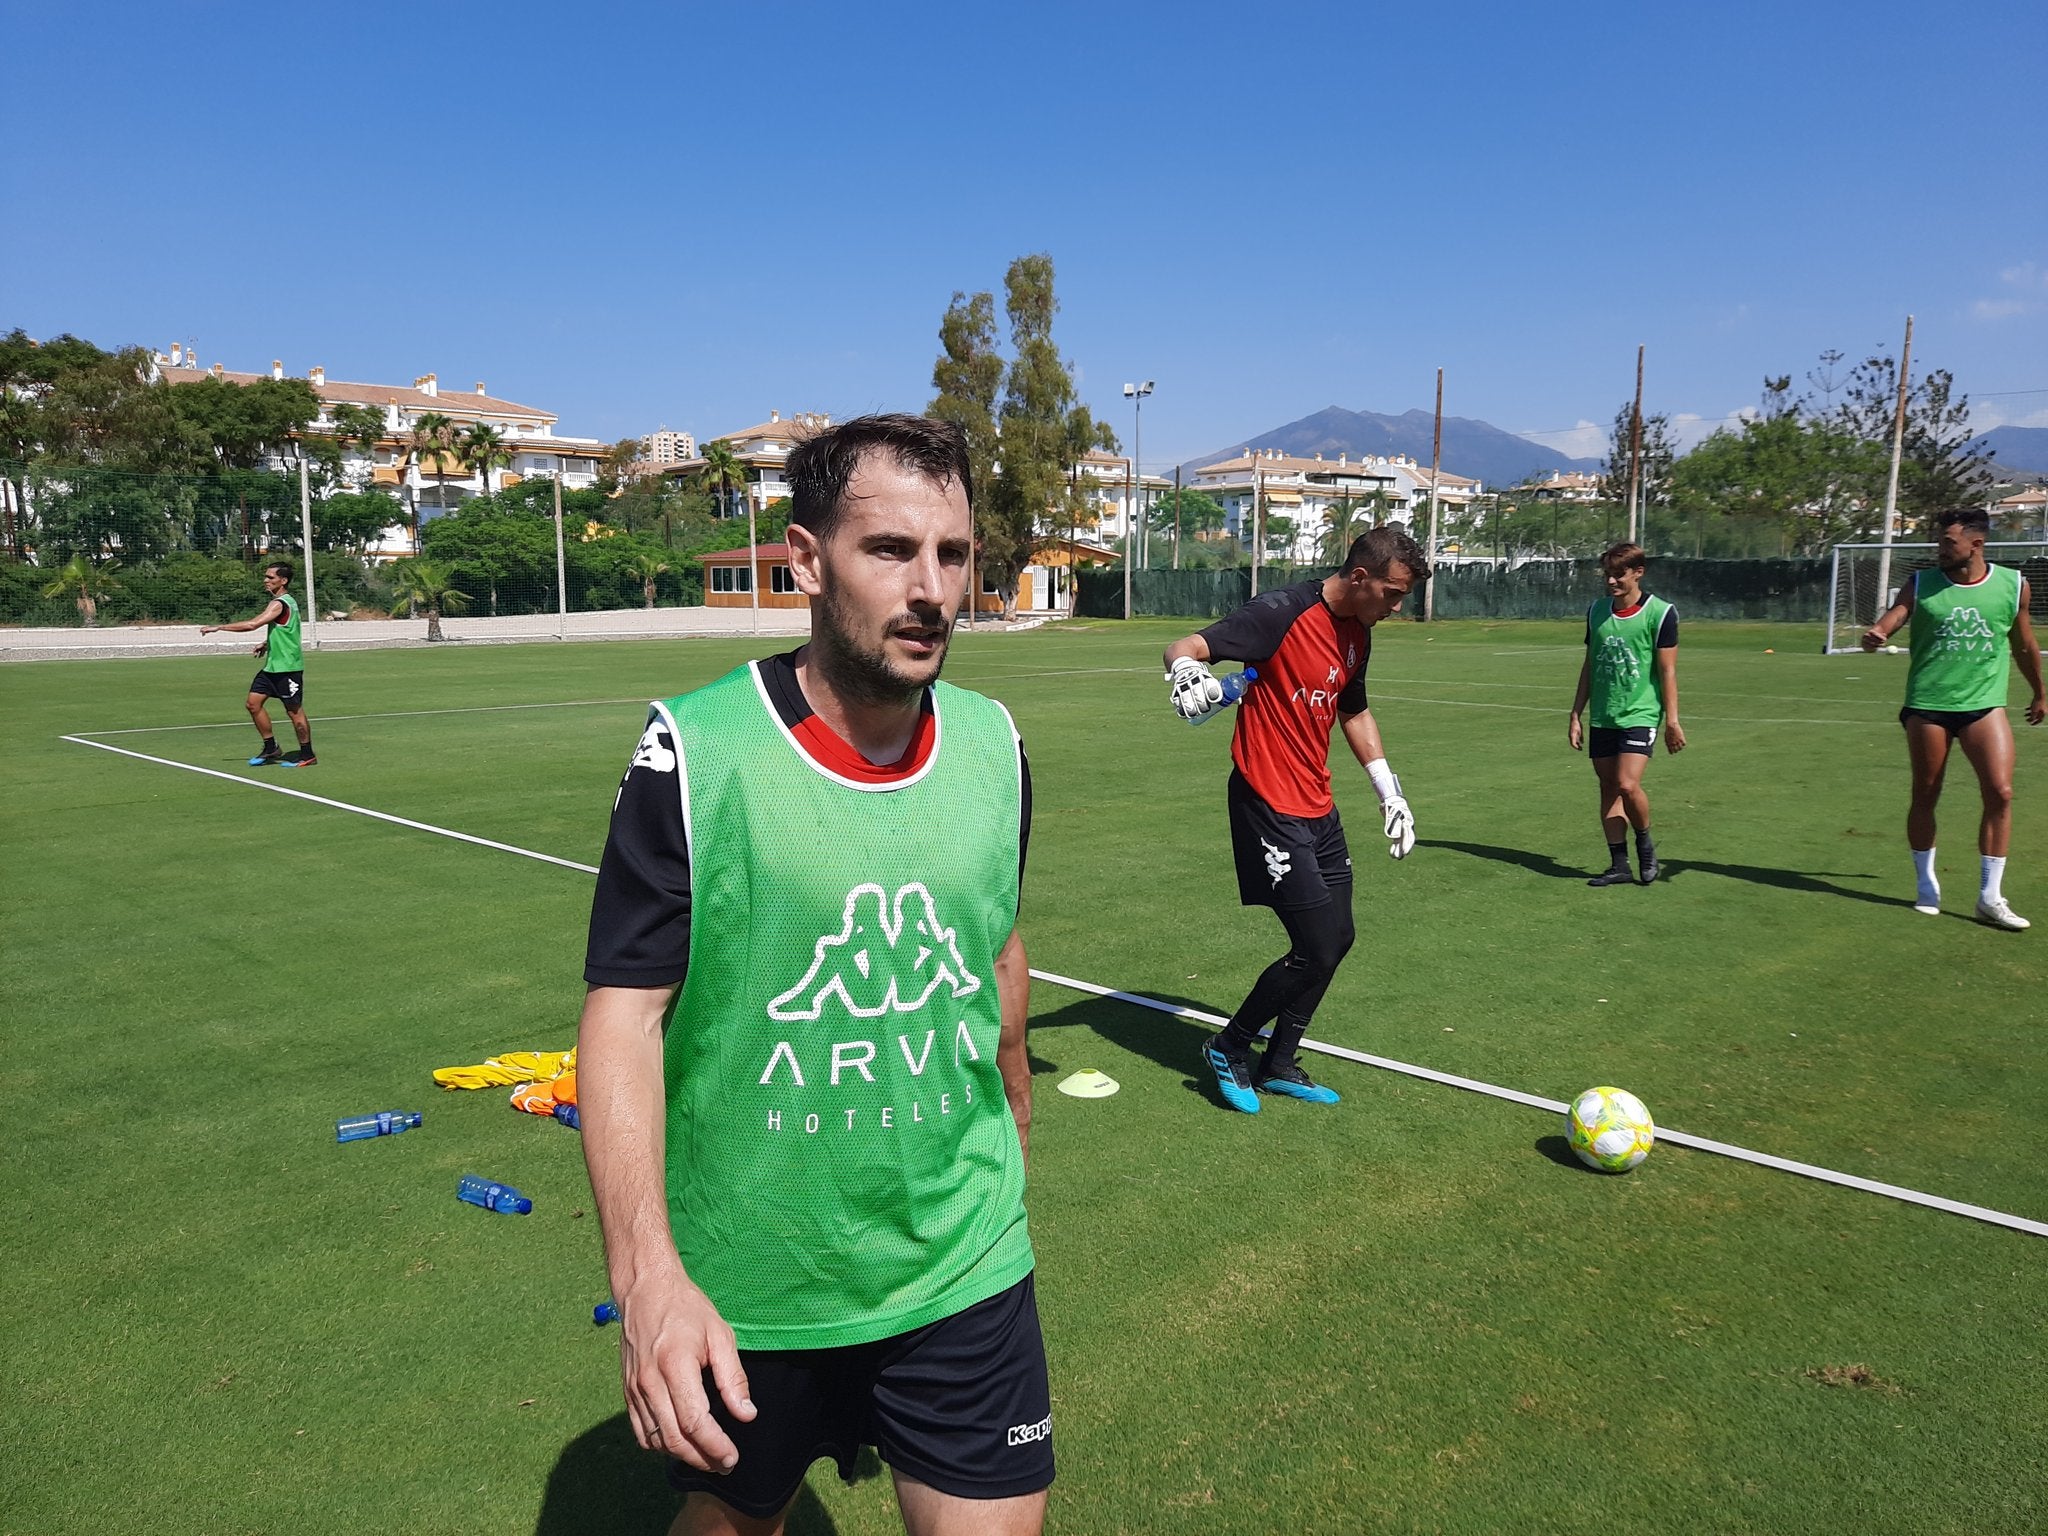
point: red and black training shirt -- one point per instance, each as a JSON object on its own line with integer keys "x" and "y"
{"x": 1311, "y": 667}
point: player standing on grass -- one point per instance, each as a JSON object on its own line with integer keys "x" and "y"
{"x": 1310, "y": 643}
{"x": 281, "y": 677}
{"x": 1967, "y": 616}
{"x": 1630, "y": 678}
{"x": 802, "y": 1073}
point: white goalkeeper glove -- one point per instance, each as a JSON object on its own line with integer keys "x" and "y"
{"x": 1399, "y": 821}
{"x": 1192, "y": 689}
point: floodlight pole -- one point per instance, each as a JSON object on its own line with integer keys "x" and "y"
{"x": 1133, "y": 482}
{"x": 753, "y": 562}
{"x": 1258, "y": 529}
{"x": 1436, "y": 454}
{"x": 306, "y": 542}
{"x": 1635, "y": 451}
{"x": 561, "y": 563}
{"x": 1891, "y": 489}
{"x": 1176, "y": 517}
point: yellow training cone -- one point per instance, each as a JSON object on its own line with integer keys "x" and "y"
{"x": 1088, "y": 1084}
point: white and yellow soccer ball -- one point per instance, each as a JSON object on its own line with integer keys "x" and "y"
{"x": 1610, "y": 1129}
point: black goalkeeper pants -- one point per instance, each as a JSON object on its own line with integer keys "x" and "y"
{"x": 1287, "y": 992}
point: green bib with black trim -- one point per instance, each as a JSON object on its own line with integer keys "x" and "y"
{"x": 1623, "y": 657}
{"x": 842, "y": 1161}
{"x": 281, "y": 645}
{"x": 1960, "y": 637}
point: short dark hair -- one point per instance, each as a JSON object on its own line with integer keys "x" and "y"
{"x": 1378, "y": 549}
{"x": 821, "y": 466}
{"x": 282, "y": 567}
{"x": 1976, "y": 519}
{"x": 1624, "y": 556}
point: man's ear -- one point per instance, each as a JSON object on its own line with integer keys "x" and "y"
{"x": 806, "y": 559}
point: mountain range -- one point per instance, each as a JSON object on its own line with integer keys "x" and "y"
{"x": 2020, "y": 450}
{"x": 1474, "y": 448}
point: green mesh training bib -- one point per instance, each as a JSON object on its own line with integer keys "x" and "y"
{"x": 842, "y": 1163}
{"x": 281, "y": 653}
{"x": 1623, "y": 653}
{"x": 1959, "y": 636}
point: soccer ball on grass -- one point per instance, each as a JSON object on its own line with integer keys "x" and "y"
{"x": 1610, "y": 1130}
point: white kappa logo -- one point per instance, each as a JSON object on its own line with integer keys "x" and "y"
{"x": 653, "y": 750}
{"x": 874, "y": 934}
{"x": 1026, "y": 1434}
{"x": 1278, "y": 862}
{"x": 1965, "y": 624}
{"x": 1331, "y": 680}
{"x": 291, "y": 689}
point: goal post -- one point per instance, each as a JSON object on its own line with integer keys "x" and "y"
{"x": 1860, "y": 587}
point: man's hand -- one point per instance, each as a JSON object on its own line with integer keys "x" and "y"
{"x": 1873, "y": 639}
{"x": 258, "y": 650}
{"x": 669, "y": 1334}
{"x": 2038, "y": 710}
{"x": 1400, "y": 825}
{"x": 1575, "y": 734}
{"x": 1192, "y": 689}
{"x": 1674, "y": 736}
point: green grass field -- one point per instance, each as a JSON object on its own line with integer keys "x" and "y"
{"x": 1412, "y": 1312}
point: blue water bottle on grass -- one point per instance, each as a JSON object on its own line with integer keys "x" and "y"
{"x": 386, "y": 1122}
{"x": 492, "y": 1196}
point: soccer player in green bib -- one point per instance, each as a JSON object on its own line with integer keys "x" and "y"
{"x": 282, "y": 676}
{"x": 1967, "y": 616}
{"x": 1630, "y": 681}
{"x": 801, "y": 1072}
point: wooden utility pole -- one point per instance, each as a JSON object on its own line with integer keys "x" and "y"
{"x": 1635, "y": 450}
{"x": 1891, "y": 489}
{"x": 310, "y": 622}
{"x": 1436, "y": 455}
{"x": 1258, "y": 525}
{"x": 1176, "y": 517}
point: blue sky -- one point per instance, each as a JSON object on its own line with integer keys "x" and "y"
{"x": 638, "y": 215}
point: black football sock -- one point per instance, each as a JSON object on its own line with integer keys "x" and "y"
{"x": 270, "y": 746}
{"x": 1646, "y": 850}
{"x": 1283, "y": 1048}
{"x": 1617, "y": 855}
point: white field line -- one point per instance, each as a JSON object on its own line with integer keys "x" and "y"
{"x": 1546, "y": 709}
{"x": 1428, "y": 1074}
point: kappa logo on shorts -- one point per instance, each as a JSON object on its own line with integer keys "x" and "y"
{"x": 291, "y": 689}
{"x": 1279, "y": 863}
{"x": 1027, "y": 1434}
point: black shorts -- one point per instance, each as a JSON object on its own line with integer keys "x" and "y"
{"x": 1954, "y": 721}
{"x": 1612, "y": 741}
{"x": 1282, "y": 860}
{"x": 286, "y": 687}
{"x": 961, "y": 1405}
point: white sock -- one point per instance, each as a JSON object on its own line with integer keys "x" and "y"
{"x": 1994, "y": 875}
{"x": 1923, "y": 872}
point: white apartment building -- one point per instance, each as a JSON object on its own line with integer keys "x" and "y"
{"x": 1308, "y": 491}
{"x": 395, "y": 465}
{"x": 763, "y": 450}
{"x": 663, "y": 448}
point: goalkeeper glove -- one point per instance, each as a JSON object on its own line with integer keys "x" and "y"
{"x": 1192, "y": 689}
{"x": 1398, "y": 820}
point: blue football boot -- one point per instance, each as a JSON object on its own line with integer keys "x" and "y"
{"x": 1290, "y": 1080}
{"x": 1233, "y": 1076}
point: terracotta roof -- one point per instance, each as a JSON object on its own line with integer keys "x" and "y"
{"x": 337, "y": 392}
{"x": 1293, "y": 464}
{"x": 2034, "y": 498}
{"x": 761, "y": 552}
{"x": 789, "y": 428}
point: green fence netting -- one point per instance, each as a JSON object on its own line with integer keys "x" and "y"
{"x": 1786, "y": 591}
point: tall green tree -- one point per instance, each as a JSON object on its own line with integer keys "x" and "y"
{"x": 1038, "y": 394}
{"x": 967, "y": 379}
{"x": 433, "y": 439}
{"x": 483, "y": 449}
{"x": 1939, "y": 466}
{"x": 722, "y": 473}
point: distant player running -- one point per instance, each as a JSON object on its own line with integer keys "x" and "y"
{"x": 281, "y": 676}
{"x": 1310, "y": 643}
{"x": 1630, "y": 680}
{"x": 1967, "y": 615}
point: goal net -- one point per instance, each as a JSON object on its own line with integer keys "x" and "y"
{"x": 1866, "y": 577}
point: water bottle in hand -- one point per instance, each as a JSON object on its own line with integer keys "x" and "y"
{"x": 387, "y": 1122}
{"x": 492, "y": 1196}
{"x": 1233, "y": 689}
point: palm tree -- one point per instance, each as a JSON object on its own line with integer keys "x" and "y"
{"x": 420, "y": 583}
{"x": 86, "y": 584}
{"x": 483, "y": 449}
{"x": 1337, "y": 530}
{"x": 433, "y": 435}
{"x": 722, "y": 468}
{"x": 647, "y": 567}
